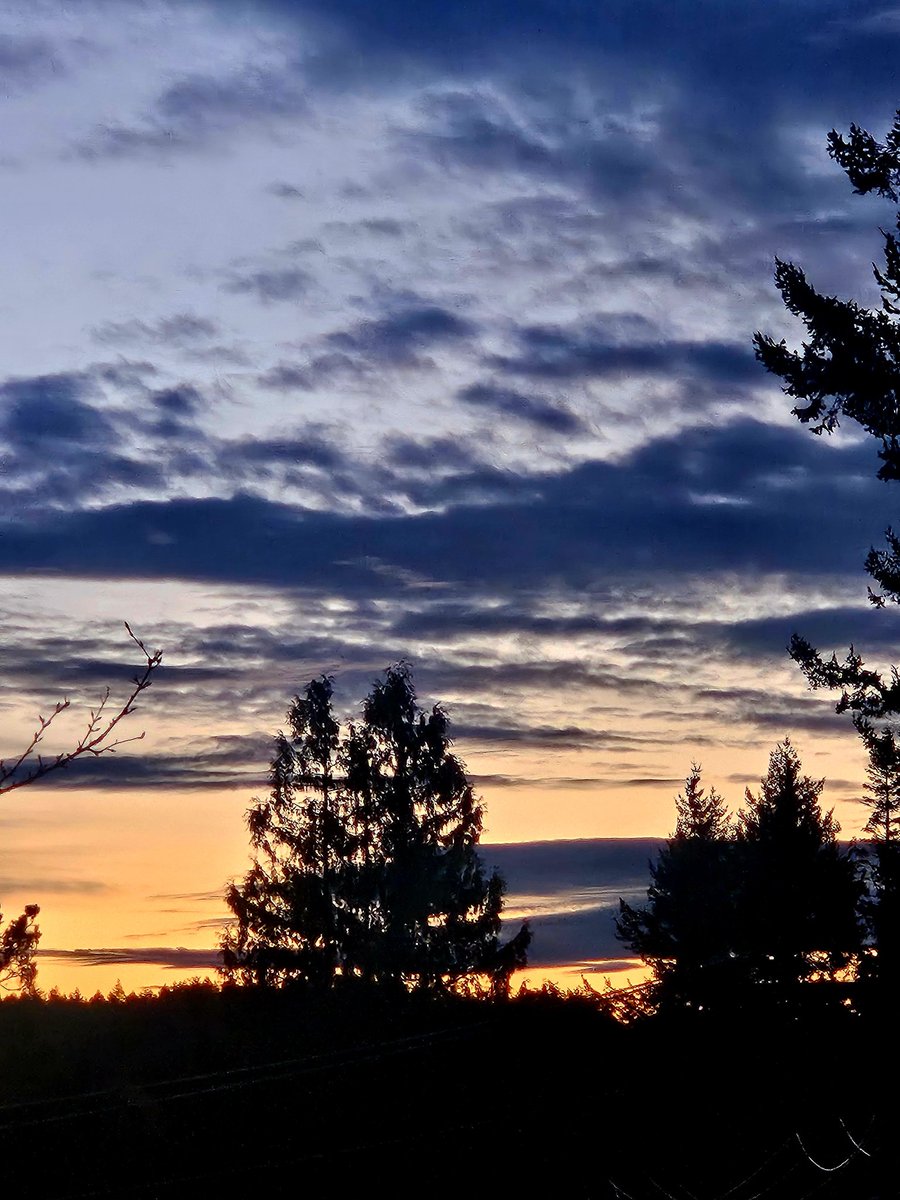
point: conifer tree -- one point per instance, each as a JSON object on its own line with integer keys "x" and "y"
{"x": 769, "y": 900}
{"x": 683, "y": 932}
{"x": 366, "y": 854}
{"x": 882, "y": 906}
{"x": 797, "y": 888}
{"x": 849, "y": 367}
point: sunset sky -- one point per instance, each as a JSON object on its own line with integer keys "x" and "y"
{"x": 338, "y": 332}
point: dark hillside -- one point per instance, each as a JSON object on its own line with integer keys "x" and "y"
{"x": 280, "y": 1094}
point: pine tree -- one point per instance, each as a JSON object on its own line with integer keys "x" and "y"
{"x": 699, "y": 816}
{"x": 797, "y": 889}
{"x": 683, "y": 932}
{"x": 366, "y": 854}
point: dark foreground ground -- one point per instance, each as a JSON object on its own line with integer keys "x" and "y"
{"x": 245, "y": 1094}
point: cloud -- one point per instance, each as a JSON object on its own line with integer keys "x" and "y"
{"x": 250, "y": 92}
{"x": 53, "y": 887}
{"x": 746, "y": 497}
{"x": 221, "y": 763}
{"x": 544, "y": 736}
{"x": 272, "y": 286}
{"x": 60, "y": 447}
{"x": 693, "y": 48}
{"x": 555, "y": 418}
{"x": 42, "y": 409}
{"x": 431, "y": 455}
{"x": 824, "y": 627}
{"x": 183, "y": 401}
{"x": 310, "y": 449}
{"x": 767, "y": 710}
{"x": 127, "y": 375}
{"x": 26, "y": 62}
{"x": 586, "y": 352}
{"x": 399, "y": 337}
{"x": 196, "y": 110}
{"x": 387, "y": 227}
{"x": 570, "y": 892}
{"x": 179, "y": 329}
{"x": 53, "y": 434}
{"x": 568, "y": 783}
{"x": 511, "y": 132}
{"x": 171, "y": 958}
{"x": 399, "y": 340}
{"x": 284, "y": 191}
{"x": 306, "y": 377}
{"x": 191, "y": 897}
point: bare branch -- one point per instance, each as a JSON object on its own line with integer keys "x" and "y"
{"x": 96, "y": 739}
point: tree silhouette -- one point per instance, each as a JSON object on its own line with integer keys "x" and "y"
{"x": 97, "y": 737}
{"x": 798, "y": 890}
{"x": 849, "y": 366}
{"x": 18, "y": 941}
{"x": 366, "y": 864}
{"x": 882, "y": 905}
{"x": 770, "y": 900}
{"x": 685, "y": 929}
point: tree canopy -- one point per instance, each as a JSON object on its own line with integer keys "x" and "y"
{"x": 366, "y": 854}
{"x": 849, "y": 366}
{"x": 799, "y": 888}
{"x": 684, "y": 931}
{"x": 768, "y": 899}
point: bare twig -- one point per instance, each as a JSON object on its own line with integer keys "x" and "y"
{"x": 95, "y": 740}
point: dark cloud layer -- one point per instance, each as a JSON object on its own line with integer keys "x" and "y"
{"x": 745, "y": 497}
{"x": 536, "y": 88}
{"x": 714, "y": 48}
{"x": 550, "y": 352}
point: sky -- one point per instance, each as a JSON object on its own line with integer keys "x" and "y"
{"x": 335, "y": 334}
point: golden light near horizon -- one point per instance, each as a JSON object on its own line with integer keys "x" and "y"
{"x": 147, "y": 867}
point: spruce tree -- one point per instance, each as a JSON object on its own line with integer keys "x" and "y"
{"x": 797, "y": 889}
{"x": 366, "y": 854}
{"x": 683, "y": 932}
